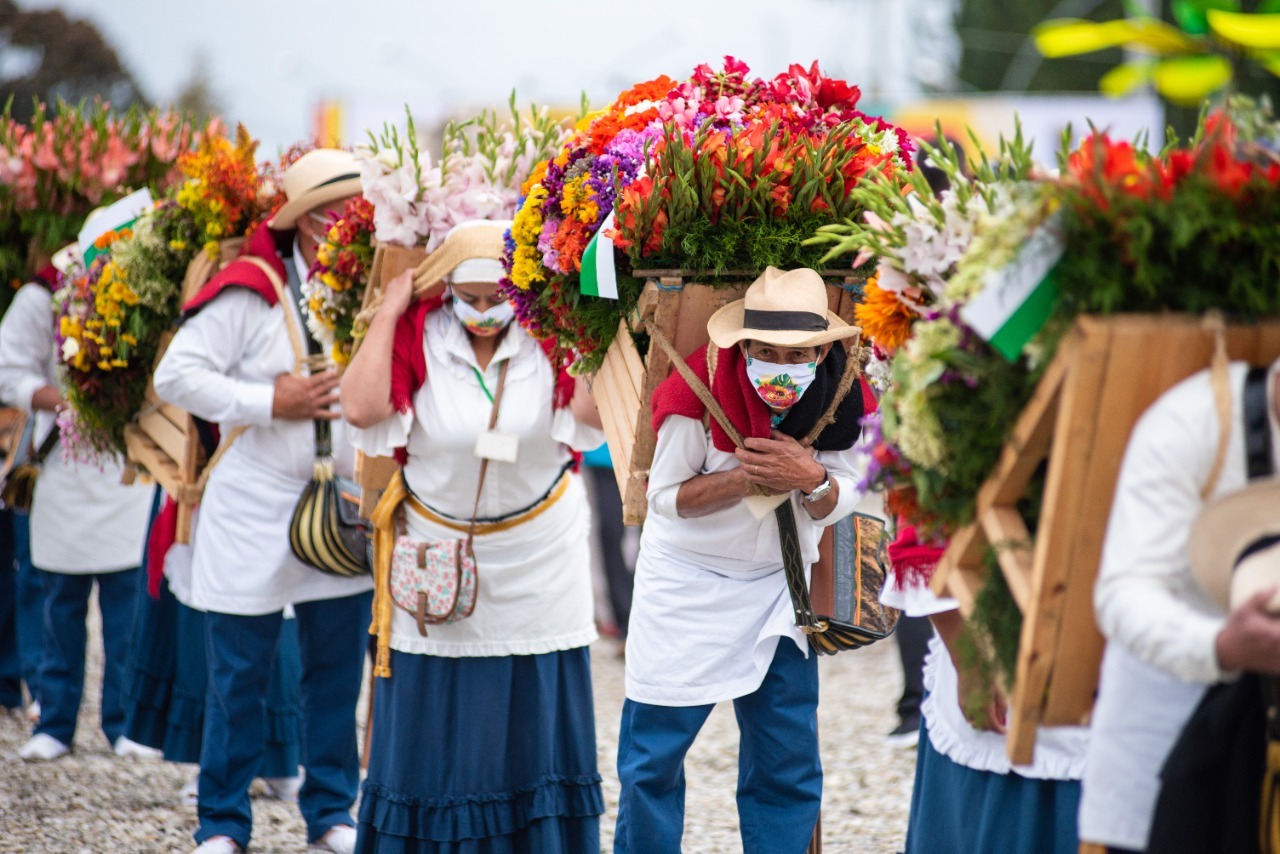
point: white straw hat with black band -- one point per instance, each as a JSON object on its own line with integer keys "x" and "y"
{"x": 786, "y": 308}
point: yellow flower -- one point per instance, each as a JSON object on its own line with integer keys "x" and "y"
{"x": 129, "y": 339}
{"x": 104, "y": 365}
{"x": 120, "y": 363}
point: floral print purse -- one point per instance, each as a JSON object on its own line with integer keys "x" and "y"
{"x": 436, "y": 580}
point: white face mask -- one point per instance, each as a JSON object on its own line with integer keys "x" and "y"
{"x": 483, "y": 323}
{"x": 781, "y": 386}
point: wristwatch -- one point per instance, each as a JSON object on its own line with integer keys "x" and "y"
{"x": 820, "y": 491}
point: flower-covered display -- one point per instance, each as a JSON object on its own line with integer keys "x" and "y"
{"x": 335, "y": 288}
{"x": 1187, "y": 230}
{"x": 112, "y": 316}
{"x": 68, "y": 160}
{"x": 720, "y": 173}
{"x": 483, "y": 162}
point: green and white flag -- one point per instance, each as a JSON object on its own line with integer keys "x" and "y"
{"x": 1017, "y": 300}
{"x": 115, "y": 217}
{"x": 599, "y": 278}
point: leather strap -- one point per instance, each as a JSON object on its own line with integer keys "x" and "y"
{"x": 1257, "y": 426}
{"x": 484, "y": 463}
{"x": 46, "y": 447}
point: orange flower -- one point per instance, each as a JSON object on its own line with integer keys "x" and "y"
{"x": 884, "y": 318}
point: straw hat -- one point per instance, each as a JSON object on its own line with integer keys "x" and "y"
{"x": 787, "y": 308}
{"x": 317, "y": 178}
{"x": 467, "y": 241}
{"x": 1235, "y": 544}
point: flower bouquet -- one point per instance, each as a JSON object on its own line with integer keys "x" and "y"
{"x": 1012, "y": 452}
{"x": 71, "y": 159}
{"x": 721, "y": 174}
{"x": 113, "y": 316}
{"x": 416, "y": 200}
{"x": 335, "y": 290}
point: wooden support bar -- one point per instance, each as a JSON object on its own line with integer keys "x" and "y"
{"x": 962, "y": 557}
{"x": 1008, "y": 535}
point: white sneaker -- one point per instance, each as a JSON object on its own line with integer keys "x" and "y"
{"x": 283, "y": 788}
{"x": 129, "y": 749}
{"x": 219, "y": 845}
{"x": 189, "y": 795}
{"x": 43, "y": 747}
{"x": 341, "y": 839}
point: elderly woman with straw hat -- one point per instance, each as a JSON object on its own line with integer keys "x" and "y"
{"x": 483, "y": 731}
{"x": 712, "y": 619}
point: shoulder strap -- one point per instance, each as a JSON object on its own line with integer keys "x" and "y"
{"x": 698, "y": 387}
{"x": 46, "y": 447}
{"x": 1257, "y": 426}
{"x": 484, "y": 463}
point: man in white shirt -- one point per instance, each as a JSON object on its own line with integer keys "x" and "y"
{"x": 1168, "y": 641}
{"x": 230, "y": 364}
{"x": 712, "y": 619}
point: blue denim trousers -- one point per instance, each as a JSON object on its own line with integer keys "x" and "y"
{"x": 240, "y": 651}
{"x": 30, "y": 599}
{"x": 779, "y": 769}
{"x": 66, "y": 609}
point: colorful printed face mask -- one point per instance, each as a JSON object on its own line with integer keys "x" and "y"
{"x": 484, "y": 323}
{"x": 781, "y": 386}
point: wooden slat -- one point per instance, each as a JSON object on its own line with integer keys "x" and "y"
{"x": 165, "y": 434}
{"x": 963, "y": 555}
{"x": 146, "y": 453}
{"x": 1067, "y": 465}
{"x": 1008, "y": 535}
{"x": 1028, "y": 444}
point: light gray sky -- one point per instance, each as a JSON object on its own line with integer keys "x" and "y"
{"x": 272, "y": 60}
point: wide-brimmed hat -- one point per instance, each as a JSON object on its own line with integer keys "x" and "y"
{"x": 474, "y": 240}
{"x": 1235, "y": 544}
{"x": 316, "y": 178}
{"x": 787, "y": 308}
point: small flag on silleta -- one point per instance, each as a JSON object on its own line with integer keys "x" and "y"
{"x": 1017, "y": 300}
{"x": 599, "y": 278}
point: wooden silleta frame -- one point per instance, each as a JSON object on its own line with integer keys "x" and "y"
{"x": 1107, "y": 372}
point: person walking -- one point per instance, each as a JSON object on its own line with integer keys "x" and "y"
{"x": 86, "y": 532}
{"x": 712, "y": 619}
{"x": 230, "y": 364}
{"x": 483, "y": 728}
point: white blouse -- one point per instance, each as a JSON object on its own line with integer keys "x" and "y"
{"x": 221, "y": 366}
{"x": 535, "y": 582}
{"x": 1162, "y": 629}
{"x": 83, "y": 520}
{"x": 711, "y": 600}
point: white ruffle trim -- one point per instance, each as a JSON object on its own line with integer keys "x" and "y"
{"x": 1060, "y": 751}
{"x": 383, "y": 438}
{"x": 486, "y": 649}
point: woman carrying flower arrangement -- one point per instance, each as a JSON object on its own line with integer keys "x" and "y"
{"x": 483, "y": 731}
{"x": 712, "y": 619}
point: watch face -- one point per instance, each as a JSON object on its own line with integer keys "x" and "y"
{"x": 819, "y": 493}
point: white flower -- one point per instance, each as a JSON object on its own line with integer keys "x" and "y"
{"x": 70, "y": 347}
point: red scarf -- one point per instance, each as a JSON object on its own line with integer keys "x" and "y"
{"x": 409, "y": 363}
{"x": 243, "y": 274}
{"x": 732, "y": 389}
{"x": 912, "y": 561}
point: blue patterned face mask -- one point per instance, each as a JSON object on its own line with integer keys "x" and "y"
{"x": 781, "y": 386}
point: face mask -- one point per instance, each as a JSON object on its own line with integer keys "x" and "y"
{"x": 483, "y": 323}
{"x": 781, "y": 386}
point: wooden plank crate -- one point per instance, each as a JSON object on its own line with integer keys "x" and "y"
{"x": 626, "y": 381}
{"x": 374, "y": 473}
{"x": 1107, "y": 372}
{"x": 163, "y": 440}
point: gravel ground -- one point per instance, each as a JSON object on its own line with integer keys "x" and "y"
{"x": 93, "y": 802}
